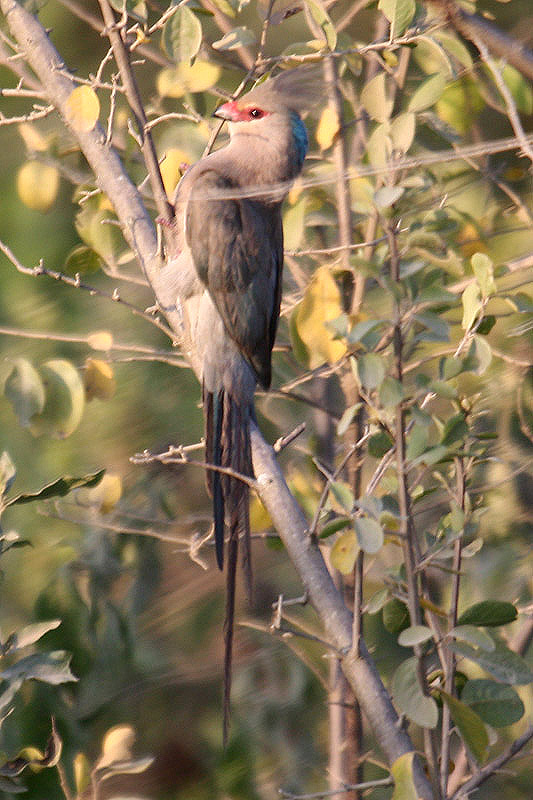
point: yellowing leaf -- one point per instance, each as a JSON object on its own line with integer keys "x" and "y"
{"x": 259, "y": 517}
{"x": 99, "y": 379}
{"x": 344, "y": 552}
{"x": 327, "y": 128}
{"x": 197, "y": 77}
{"x": 37, "y": 185}
{"x": 375, "y": 100}
{"x": 100, "y": 340}
{"x": 116, "y": 745}
{"x": 82, "y": 109}
{"x": 82, "y": 773}
{"x": 404, "y": 784}
{"x": 171, "y": 169}
{"x": 33, "y": 138}
{"x": 321, "y": 304}
{"x": 103, "y": 497}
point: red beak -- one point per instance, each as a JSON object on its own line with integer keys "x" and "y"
{"x": 228, "y": 111}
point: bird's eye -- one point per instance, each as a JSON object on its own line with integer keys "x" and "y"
{"x": 256, "y": 113}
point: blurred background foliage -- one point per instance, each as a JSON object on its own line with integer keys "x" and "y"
{"x": 87, "y": 384}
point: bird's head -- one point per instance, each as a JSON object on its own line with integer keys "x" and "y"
{"x": 272, "y": 108}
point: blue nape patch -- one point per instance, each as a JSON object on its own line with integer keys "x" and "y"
{"x": 300, "y": 137}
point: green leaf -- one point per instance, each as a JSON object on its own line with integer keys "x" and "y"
{"x": 379, "y": 444}
{"x": 395, "y": 616}
{"x": 347, "y": 419}
{"x": 484, "y": 272}
{"x": 427, "y": 93}
{"x": 343, "y": 495}
{"x": 369, "y": 534}
{"x": 182, "y": 36}
{"x": 399, "y": 13}
{"x": 402, "y": 131}
{"x": 375, "y": 100}
{"x": 519, "y": 87}
{"x": 471, "y": 300}
{"x": 409, "y": 697}
{"x": 387, "y": 196}
{"x": 489, "y": 613}
{"x": 370, "y": 370}
{"x": 82, "y": 260}
{"x": 390, "y": 392}
{"x": 470, "y": 725}
{"x": 417, "y": 442}
{"x": 323, "y": 20}
{"x": 25, "y": 390}
{"x": 65, "y": 400}
{"x": 377, "y": 601}
{"x": 404, "y": 783}
{"x": 502, "y": 663}
{"x": 7, "y": 473}
{"x": 294, "y": 223}
{"x": 58, "y": 488}
{"x": 53, "y": 668}
{"x": 335, "y": 525}
{"x": 415, "y": 634}
{"x": 474, "y": 636}
{"x": 237, "y": 37}
{"x": 497, "y": 705}
{"x": 479, "y": 356}
{"x": 454, "y": 430}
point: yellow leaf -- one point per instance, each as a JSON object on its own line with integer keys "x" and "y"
{"x": 37, "y": 185}
{"x": 197, "y": 77}
{"x": 321, "y": 304}
{"x": 33, "y": 139}
{"x": 82, "y": 109}
{"x": 327, "y": 128}
{"x": 259, "y": 516}
{"x": 103, "y": 497}
{"x": 344, "y": 552}
{"x": 171, "y": 169}
{"x": 99, "y": 379}
{"x": 82, "y": 773}
{"x": 100, "y": 340}
{"x": 116, "y": 745}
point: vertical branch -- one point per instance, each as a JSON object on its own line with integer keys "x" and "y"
{"x": 121, "y": 55}
{"x": 450, "y": 666}
{"x": 407, "y": 529}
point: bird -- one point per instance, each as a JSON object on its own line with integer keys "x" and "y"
{"x": 227, "y": 260}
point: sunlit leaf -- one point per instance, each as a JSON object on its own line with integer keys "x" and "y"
{"x": 321, "y": 303}
{"x": 237, "y": 37}
{"x": 327, "y": 128}
{"x": 7, "y": 473}
{"x": 344, "y": 552}
{"x": 399, "y": 13}
{"x": 82, "y": 773}
{"x": 172, "y": 169}
{"x": 99, "y": 379}
{"x": 197, "y": 77}
{"x": 116, "y": 745}
{"x": 100, "y": 340}
{"x": 404, "y": 784}
{"x": 53, "y": 668}
{"x": 182, "y": 36}
{"x": 375, "y": 100}
{"x": 428, "y": 92}
{"x": 484, "y": 271}
{"x": 82, "y": 109}
{"x": 31, "y": 633}
{"x": 471, "y": 300}
{"x": 402, "y": 131}
{"x": 322, "y": 19}
{"x": 104, "y": 496}
{"x": 38, "y": 185}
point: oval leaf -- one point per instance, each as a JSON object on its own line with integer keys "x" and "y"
{"x": 428, "y": 92}
{"x": 474, "y": 636}
{"x": 415, "y": 634}
{"x": 65, "y": 400}
{"x": 182, "y": 36}
{"x": 370, "y": 370}
{"x": 399, "y": 13}
{"x": 82, "y": 109}
{"x": 490, "y": 613}
{"x": 470, "y": 725}
{"x": 25, "y": 390}
{"x": 344, "y": 552}
{"x": 497, "y": 705}
{"x": 369, "y": 534}
{"x": 501, "y": 663}
{"x": 409, "y": 697}
{"x": 238, "y": 37}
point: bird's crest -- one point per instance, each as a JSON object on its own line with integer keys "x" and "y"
{"x": 296, "y": 89}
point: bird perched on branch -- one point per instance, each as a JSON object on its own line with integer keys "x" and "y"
{"x": 228, "y": 258}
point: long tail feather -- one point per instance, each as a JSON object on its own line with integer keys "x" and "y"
{"x": 227, "y": 435}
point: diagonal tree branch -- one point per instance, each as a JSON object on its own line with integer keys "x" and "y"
{"x": 288, "y": 518}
